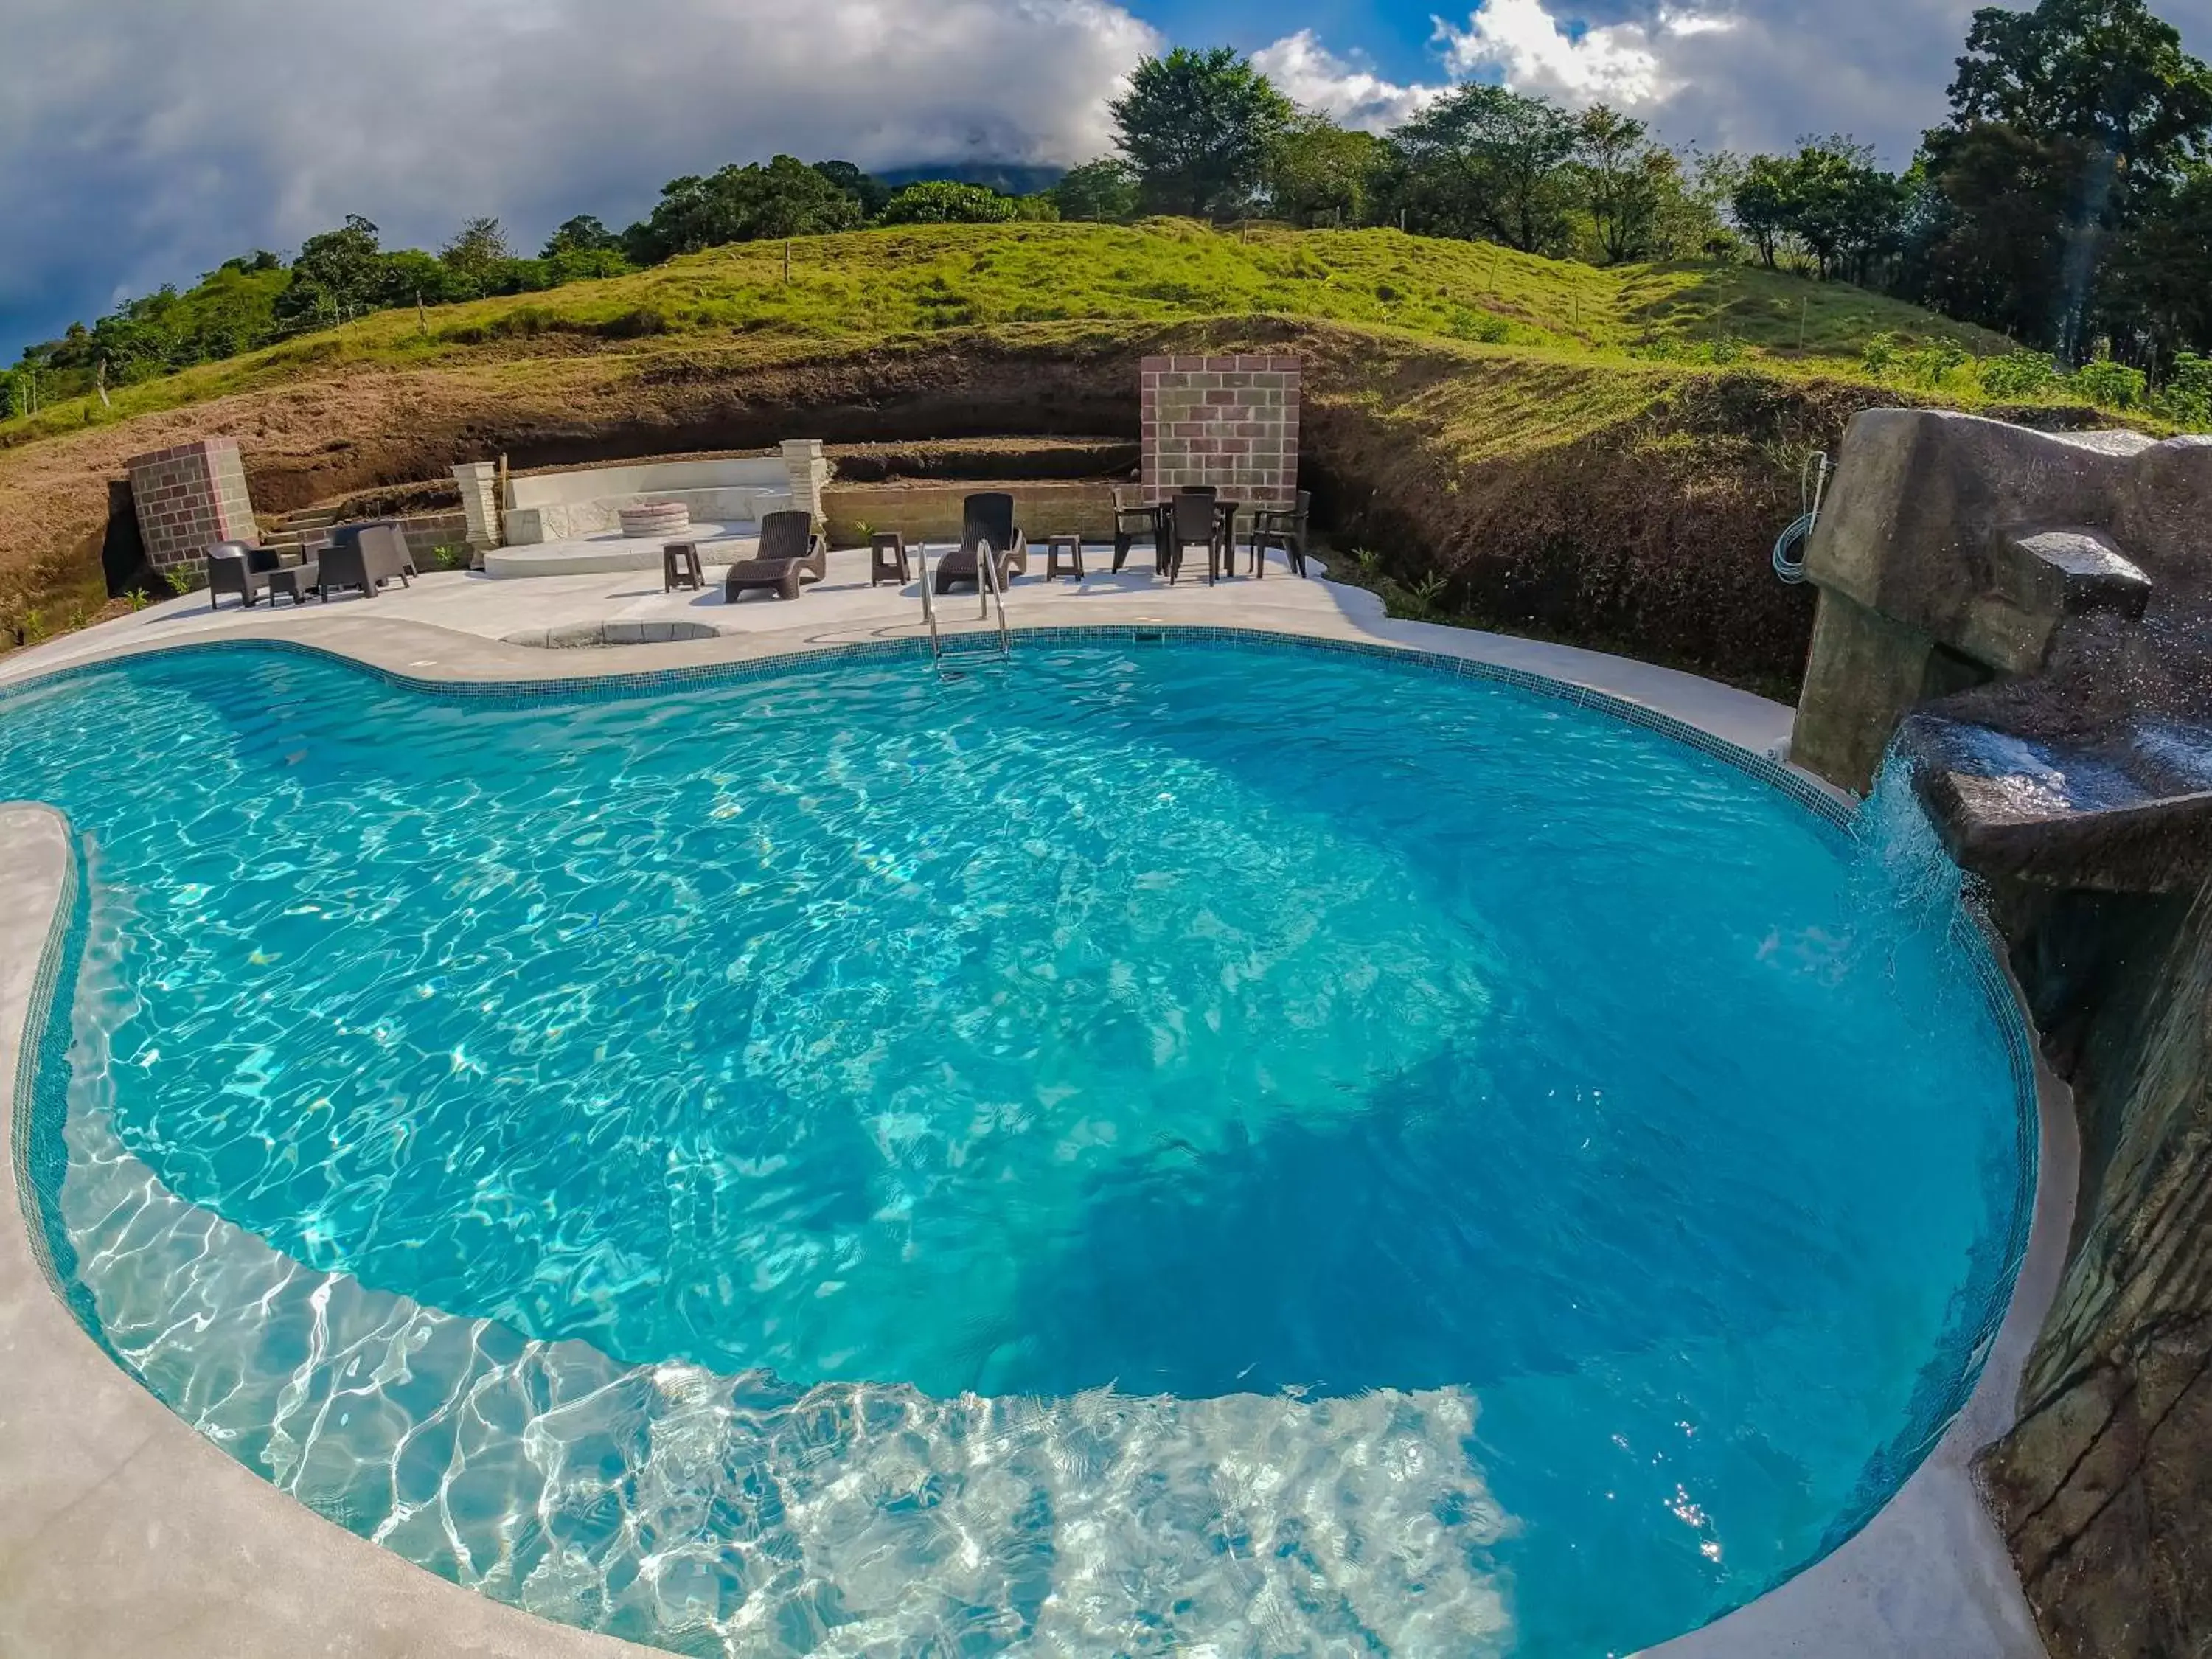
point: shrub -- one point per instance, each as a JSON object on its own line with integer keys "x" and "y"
{"x": 942, "y": 202}
{"x": 1486, "y": 326}
{"x": 635, "y": 325}
{"x": 1931, "y": 365}
{"x": 2113, "y": 385}
{"x": 449, "y": 555}
{"x": 1880, "y": 356}
{"x": 523, "y": 320}
{"x": 2019, "y": 375}
{"x": 2186, "y": 397}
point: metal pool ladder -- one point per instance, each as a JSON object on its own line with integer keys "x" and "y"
{"x": 989, "y": 592}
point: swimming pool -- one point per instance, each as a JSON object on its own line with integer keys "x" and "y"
{"x": 1144, "y": 1146}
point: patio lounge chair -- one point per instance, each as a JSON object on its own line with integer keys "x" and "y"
{"x": 1193, "y": 519}
{"x": 986, "y": 516}
{"x": 791, "y": 552}
{"x": 240, "y": 567}
{"x": 1283, "y": 527}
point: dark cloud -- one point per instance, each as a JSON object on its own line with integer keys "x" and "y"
{"x": 145, "y": 143}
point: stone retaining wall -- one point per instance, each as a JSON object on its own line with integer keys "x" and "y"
{"x": 933, "y": 510}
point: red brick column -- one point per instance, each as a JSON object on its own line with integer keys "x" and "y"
{"x": 189, "y": 498}
{"x": 1229, "y": 422}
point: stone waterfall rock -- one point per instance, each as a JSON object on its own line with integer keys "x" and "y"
{"x": 2029, "y": 617}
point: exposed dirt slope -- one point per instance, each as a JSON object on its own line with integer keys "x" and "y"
{"x": 1629, "y": 507}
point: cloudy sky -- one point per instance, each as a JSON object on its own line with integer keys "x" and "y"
{"x": 145, "y": 141}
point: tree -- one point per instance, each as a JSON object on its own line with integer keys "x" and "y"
{"x": 1761, "y": 204}
{"x": 868, "y": 193}
{"x": 2156, "y": 301}
{"x": 1483, "y": 161}
{"x": 582, "y": 234}
{"x": 1323, "y": 173}
{"x": 1199, "y": 128}
{"x": 1104, "y": 189}
{"x": 2066, "y": 123}
{"x": 477, "y": 250}
{"x": 2105, "y": 71}
{"x": 943, "y": 202}
{"x": 337, "y": 276}
{"x": 408, "y": 273}
{"x": 1625, "y": 180}
{"x": 1843, "y": 208}
{"x": 740, "y": 204}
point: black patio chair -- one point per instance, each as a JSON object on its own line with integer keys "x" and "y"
{"x": 1133, "y": 524}
{"x": 1192, "y": 521}
{"x": 1283, "y": 527}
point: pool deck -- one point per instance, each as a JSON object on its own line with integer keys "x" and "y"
{"x": 127, "y": 1533}
{"x": 458, "y": 618}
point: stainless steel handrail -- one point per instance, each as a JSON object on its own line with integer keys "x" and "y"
{"x": 929, "y": 605}
{"x": 992, "y": 586}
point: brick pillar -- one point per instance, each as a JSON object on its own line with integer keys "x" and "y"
{"x": 479, "y": 482}
{"x": 1231, "y": 421}
{"x": 808, "y": 470}
{"x": 189, "y": 497}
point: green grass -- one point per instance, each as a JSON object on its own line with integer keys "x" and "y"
{"x": 870, "y": 287}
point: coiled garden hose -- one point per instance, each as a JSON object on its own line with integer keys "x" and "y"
{"x": 1789, "y": 546}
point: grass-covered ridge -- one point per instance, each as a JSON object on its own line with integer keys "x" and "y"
{"x": 862, "y": 288}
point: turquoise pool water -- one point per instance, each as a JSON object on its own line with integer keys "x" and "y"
{"x": 1140, "y": 1147}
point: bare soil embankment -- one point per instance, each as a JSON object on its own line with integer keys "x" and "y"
{"x": 1627, "y": 507}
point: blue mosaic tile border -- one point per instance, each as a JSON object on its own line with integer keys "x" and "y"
{"x": 35, "y": 1149}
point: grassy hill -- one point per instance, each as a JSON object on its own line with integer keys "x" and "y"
{"x": 1533, "y": 443}
{"x": 867, "y": 286}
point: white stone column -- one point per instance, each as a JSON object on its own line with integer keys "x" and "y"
{"x": 803, "y": 461}
{"x": 479, "y": 482}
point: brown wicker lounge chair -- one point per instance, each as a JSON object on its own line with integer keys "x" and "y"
{"x": 987, "y": 516}
{"x": 1192, "y": 520}
{"x": 1283, "y": 527}
{"x": 791, "y": 553}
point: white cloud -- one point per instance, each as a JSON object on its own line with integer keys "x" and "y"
{"x": 1316, "y": 78}
{"x": 143, "y": 144}
{"x": 1633, "y": 65}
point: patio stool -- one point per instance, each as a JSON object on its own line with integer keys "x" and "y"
{"x": 1056, "y": 545}
{"x": 887, "y": 558}
{"x": 295, "y": 581}
{"x": 679, "y": 567}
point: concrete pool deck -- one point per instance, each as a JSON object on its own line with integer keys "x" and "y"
{"x": 129, "y": 1533}
{"x": 458, "y": 619}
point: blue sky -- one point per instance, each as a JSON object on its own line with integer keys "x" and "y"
{"x": 143, "y": 143}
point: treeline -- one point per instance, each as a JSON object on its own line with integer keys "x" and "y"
{"x": 2067, "y": 202}
{"x": 257, "y": 299}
